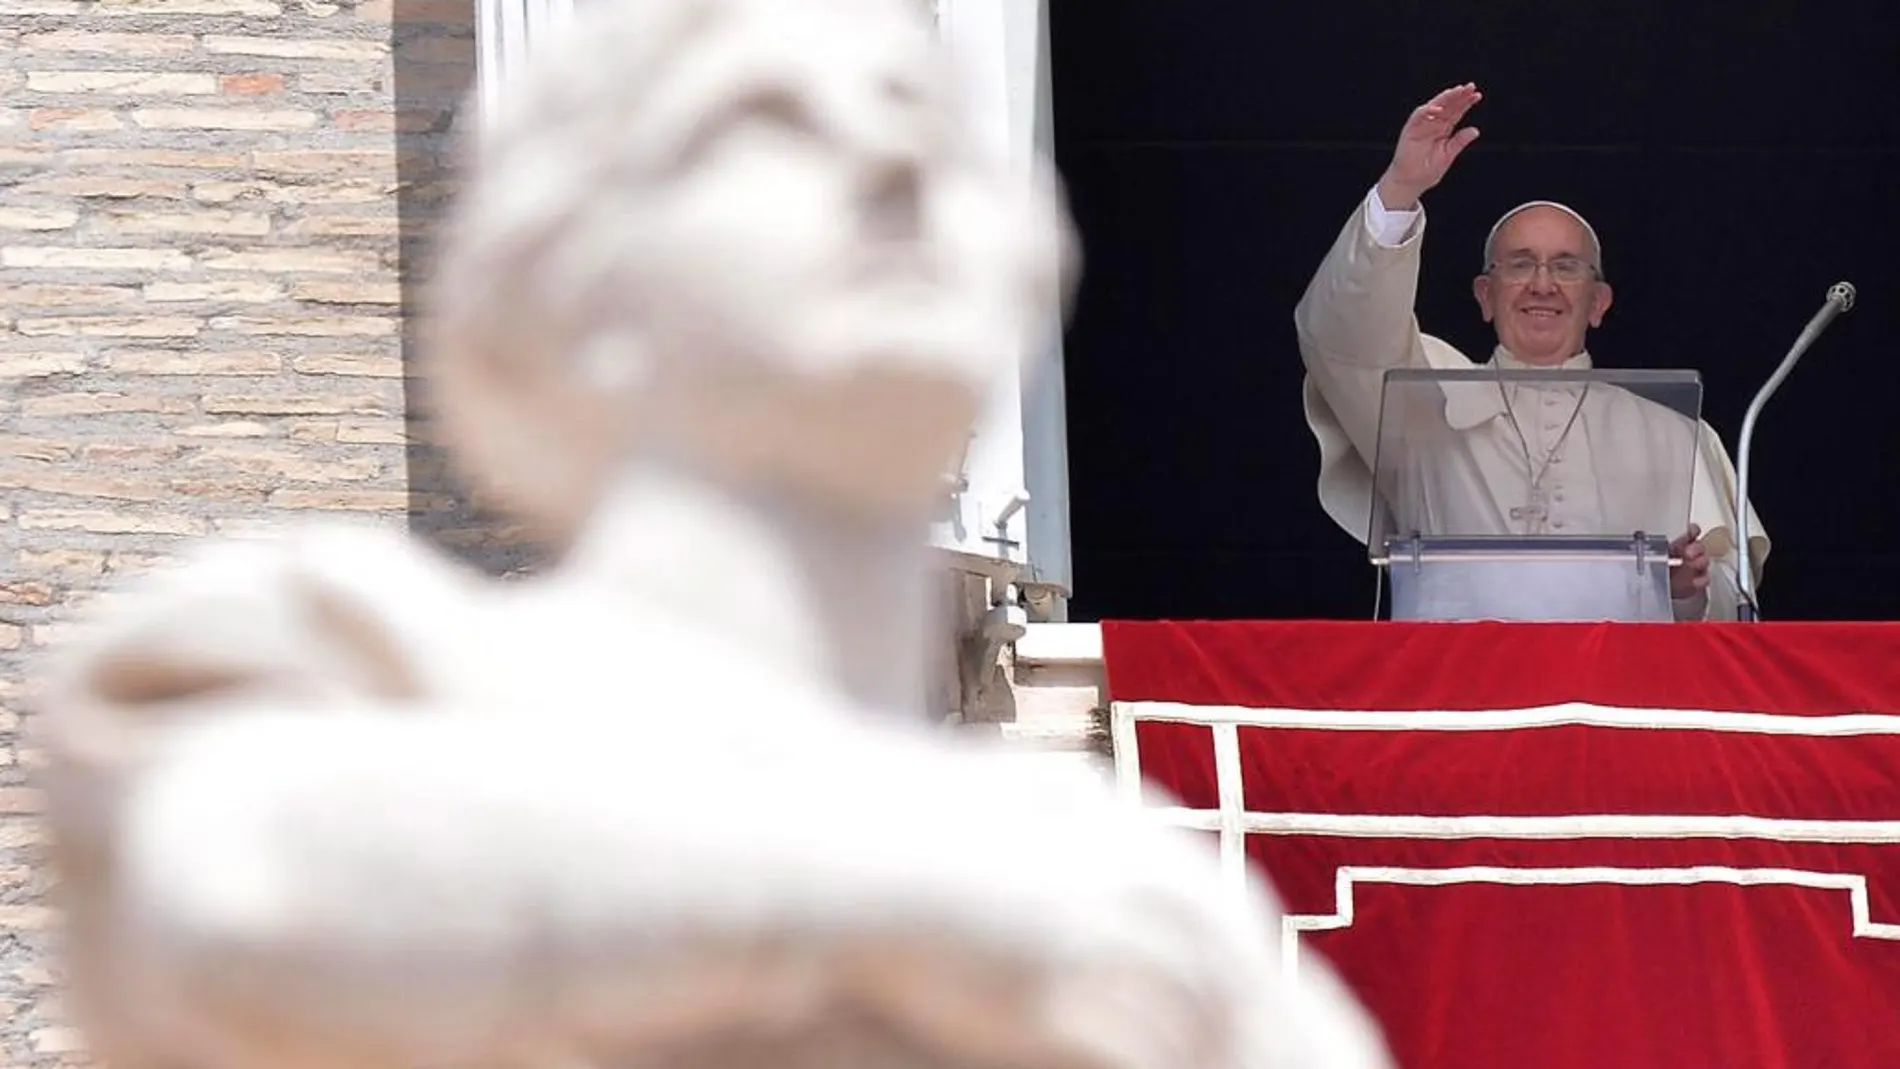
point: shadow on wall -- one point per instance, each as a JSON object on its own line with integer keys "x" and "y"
{"x": 433, "y": 48}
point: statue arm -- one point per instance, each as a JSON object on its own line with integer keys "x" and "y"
{"x": 360, "y": 878}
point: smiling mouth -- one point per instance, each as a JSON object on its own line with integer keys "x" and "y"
{"x": 1542, "y": 313}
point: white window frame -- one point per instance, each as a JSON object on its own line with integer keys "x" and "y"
{"x": 1014, "y": 505}
{"x": 505, "y": 35}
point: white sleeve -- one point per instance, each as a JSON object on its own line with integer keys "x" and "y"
{"x": 1388, "y": 228}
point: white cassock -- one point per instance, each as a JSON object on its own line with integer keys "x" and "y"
{"x": 1356, "y": 322}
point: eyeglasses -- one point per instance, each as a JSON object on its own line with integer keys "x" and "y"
{"x": 1567, "y": 270}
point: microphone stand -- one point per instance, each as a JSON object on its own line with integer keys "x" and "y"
{"x": 1840, "y": 298}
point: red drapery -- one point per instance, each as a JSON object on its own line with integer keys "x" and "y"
{"x": 1562, "y": 846}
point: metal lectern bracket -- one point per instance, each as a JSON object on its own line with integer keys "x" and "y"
{"x": 1639, "y": 545}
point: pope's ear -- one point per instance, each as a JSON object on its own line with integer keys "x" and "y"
{"x": 1600, "y": 300}
{"x": 1481, "y": 289}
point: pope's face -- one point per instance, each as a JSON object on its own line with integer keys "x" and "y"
{"x": 1541, "y": 291}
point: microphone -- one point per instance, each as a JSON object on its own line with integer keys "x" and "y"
{"x": 1840, "y": 299}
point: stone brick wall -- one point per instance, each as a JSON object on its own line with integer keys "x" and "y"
{"x": 213, "y": 214}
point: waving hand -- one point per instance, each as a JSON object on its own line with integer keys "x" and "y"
{"x": 1428, "y": 145}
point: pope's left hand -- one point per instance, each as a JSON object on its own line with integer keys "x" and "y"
{"x": 1691, "y": 577}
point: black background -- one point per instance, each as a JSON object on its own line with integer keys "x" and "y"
{"x": 1737, "y": 159}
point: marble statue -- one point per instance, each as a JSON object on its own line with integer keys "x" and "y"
{"x": 728, "y": 287}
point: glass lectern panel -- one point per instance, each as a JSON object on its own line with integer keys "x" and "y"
{"x": 1533, "y": 494}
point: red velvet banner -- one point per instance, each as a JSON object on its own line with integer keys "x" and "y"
{"x": 1561, "y": 846}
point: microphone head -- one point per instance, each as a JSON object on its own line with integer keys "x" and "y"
{"x": 1842, "y": 293}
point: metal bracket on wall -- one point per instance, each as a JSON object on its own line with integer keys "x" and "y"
{"x": 984, "y": 678}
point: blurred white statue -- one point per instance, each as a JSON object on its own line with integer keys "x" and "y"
{"x": 730, "y": 284}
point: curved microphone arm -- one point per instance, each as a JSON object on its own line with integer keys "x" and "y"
{"x": 1840, "y": 298}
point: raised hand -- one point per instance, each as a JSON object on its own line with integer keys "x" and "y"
{"x": 1429, "y": 143}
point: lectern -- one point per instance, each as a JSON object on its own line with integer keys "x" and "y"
{"x": 1534, "y": 495}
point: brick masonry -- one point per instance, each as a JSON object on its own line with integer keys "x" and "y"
{"x": 214, "y": 215}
